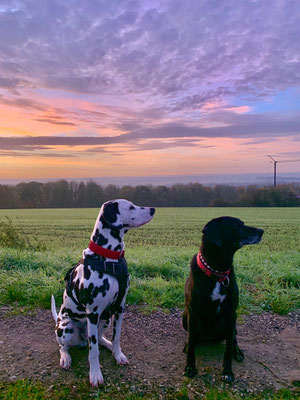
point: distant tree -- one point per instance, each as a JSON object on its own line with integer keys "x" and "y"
{"x": 95, "y": 195}
{"x": 7, "y": 197}
{"x": 62, "y": 194}
{"x": 72, "y": 194}
{"x": 179, "y": 196}
{"x": 47, "y": 195}
{"x": 143, "y": 195}
{"x": 81, "y": 195}
{"x": 281, "y": 196}
{"x": 201, "y": 196}
{"x": 229, "y": 194}
{"x": 221, "y": 203}
{"x": 73, "y": 188}
{"x": 161, "y": 196}
{"x": 29, "y": 195}
{"x": 126, "y": 192}
{"x": 111, "y": 192}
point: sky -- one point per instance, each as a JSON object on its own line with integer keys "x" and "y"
{"x": 148, "y": 87}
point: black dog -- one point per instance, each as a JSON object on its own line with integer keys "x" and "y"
{"x": 211, "y": 291}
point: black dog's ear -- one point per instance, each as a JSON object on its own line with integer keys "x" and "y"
{"x": 111, "y": 213}
{"x": 213, "y": 232}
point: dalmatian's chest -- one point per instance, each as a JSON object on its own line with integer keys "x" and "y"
{"x": 92, "y": 287}
{"x": 91, "y": 290}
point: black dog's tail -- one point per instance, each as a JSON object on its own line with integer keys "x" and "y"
{"x": 184, "y": 321}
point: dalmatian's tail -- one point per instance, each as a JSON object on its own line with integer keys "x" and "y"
{"x": 53, "y": 308}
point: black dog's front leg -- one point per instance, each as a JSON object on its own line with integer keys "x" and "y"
{"x": 228, "y": 375}
{"x": 237, "y": 353}
{"x": 190, "y": 369}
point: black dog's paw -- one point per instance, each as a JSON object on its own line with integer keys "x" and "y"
{"x": 228, "y": 377}
{"x": 190, "y": 371}
{"x": 238, "y": 354}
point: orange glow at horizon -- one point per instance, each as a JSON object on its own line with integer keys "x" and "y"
{"x": 184, "y": 155}
{"x": 171, "y": 161}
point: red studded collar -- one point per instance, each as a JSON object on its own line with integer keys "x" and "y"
{"x": 222, "y": 277}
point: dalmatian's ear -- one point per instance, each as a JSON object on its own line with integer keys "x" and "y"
{"x": 111, "y": 215}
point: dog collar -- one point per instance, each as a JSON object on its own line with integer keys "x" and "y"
{"x": 222, "y": 277}
{"x": 101, "y": 251}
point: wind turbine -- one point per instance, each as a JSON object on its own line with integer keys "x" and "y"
{"x": 275, "y": 165}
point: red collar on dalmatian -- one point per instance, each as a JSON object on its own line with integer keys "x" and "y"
{"x": 222, "y": 277}
{"x": 101, "y": 251}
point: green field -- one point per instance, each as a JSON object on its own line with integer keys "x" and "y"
{"x": 37, "y": 247}
{"x": 158, "y": 256}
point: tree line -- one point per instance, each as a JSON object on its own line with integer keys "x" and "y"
{"x": 64, "y": 194}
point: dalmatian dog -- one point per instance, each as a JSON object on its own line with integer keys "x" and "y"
{"x": 96, "y": 288}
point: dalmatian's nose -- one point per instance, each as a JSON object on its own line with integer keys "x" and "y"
{"x": 152, "y": 211}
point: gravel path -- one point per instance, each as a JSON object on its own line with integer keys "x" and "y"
{"x": 153, "y": 344}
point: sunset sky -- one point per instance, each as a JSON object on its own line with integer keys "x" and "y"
{"x": 148, "y": 87}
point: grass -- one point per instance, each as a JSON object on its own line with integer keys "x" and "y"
{"x": 158, "y": 256}
{"x": 28, "y": 390}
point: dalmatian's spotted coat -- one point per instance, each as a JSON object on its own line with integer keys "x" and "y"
{"x": 89, "y": 304}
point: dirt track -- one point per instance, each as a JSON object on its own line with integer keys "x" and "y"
{"x": 153, "y": 344}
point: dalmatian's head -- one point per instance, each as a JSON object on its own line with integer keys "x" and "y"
{"x": 121, "y": 213}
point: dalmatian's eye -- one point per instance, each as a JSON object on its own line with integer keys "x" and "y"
{"x": 131, "y": 208}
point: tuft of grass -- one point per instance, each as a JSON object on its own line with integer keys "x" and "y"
{"x": 15, "y": 236}
{"x": 156, "y": 292}
{"x": 268, "y": 281}
{"x": 22, "y": 390}
{"x": 29, "y": 278}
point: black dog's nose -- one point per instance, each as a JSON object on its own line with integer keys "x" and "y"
{"x": 152, "y": 211}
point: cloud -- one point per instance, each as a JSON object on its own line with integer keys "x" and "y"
{"x": 55, "y": 122}
{"x": 23, "y": 103}
{"x": 169, "y": 48}
{"x": 162, "y": 145}
{"x": 258, "y": 128}
{"x": 259, "y": 140}
{"x": 289, "y": 155}
{"x": 13, "y": 154}
{"x": 8, "y": 83}
{"x": 38, "y": 145}
{"x": 230, "y": 125}
{"x": 39, "y": 154}
{"x": 40, "y": 142}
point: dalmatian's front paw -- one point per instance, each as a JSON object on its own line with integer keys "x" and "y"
{"x": 65, "y": 361}
{"x": 120, "y": 358}
{"x": 96, "y": 379}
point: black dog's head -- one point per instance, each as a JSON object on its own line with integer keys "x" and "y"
{"x": 230, "y": 233}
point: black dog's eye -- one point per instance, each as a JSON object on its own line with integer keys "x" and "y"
{"x": 131, "y": 208}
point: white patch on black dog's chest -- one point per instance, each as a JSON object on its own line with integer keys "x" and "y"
{"x": 216, "y": 293}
